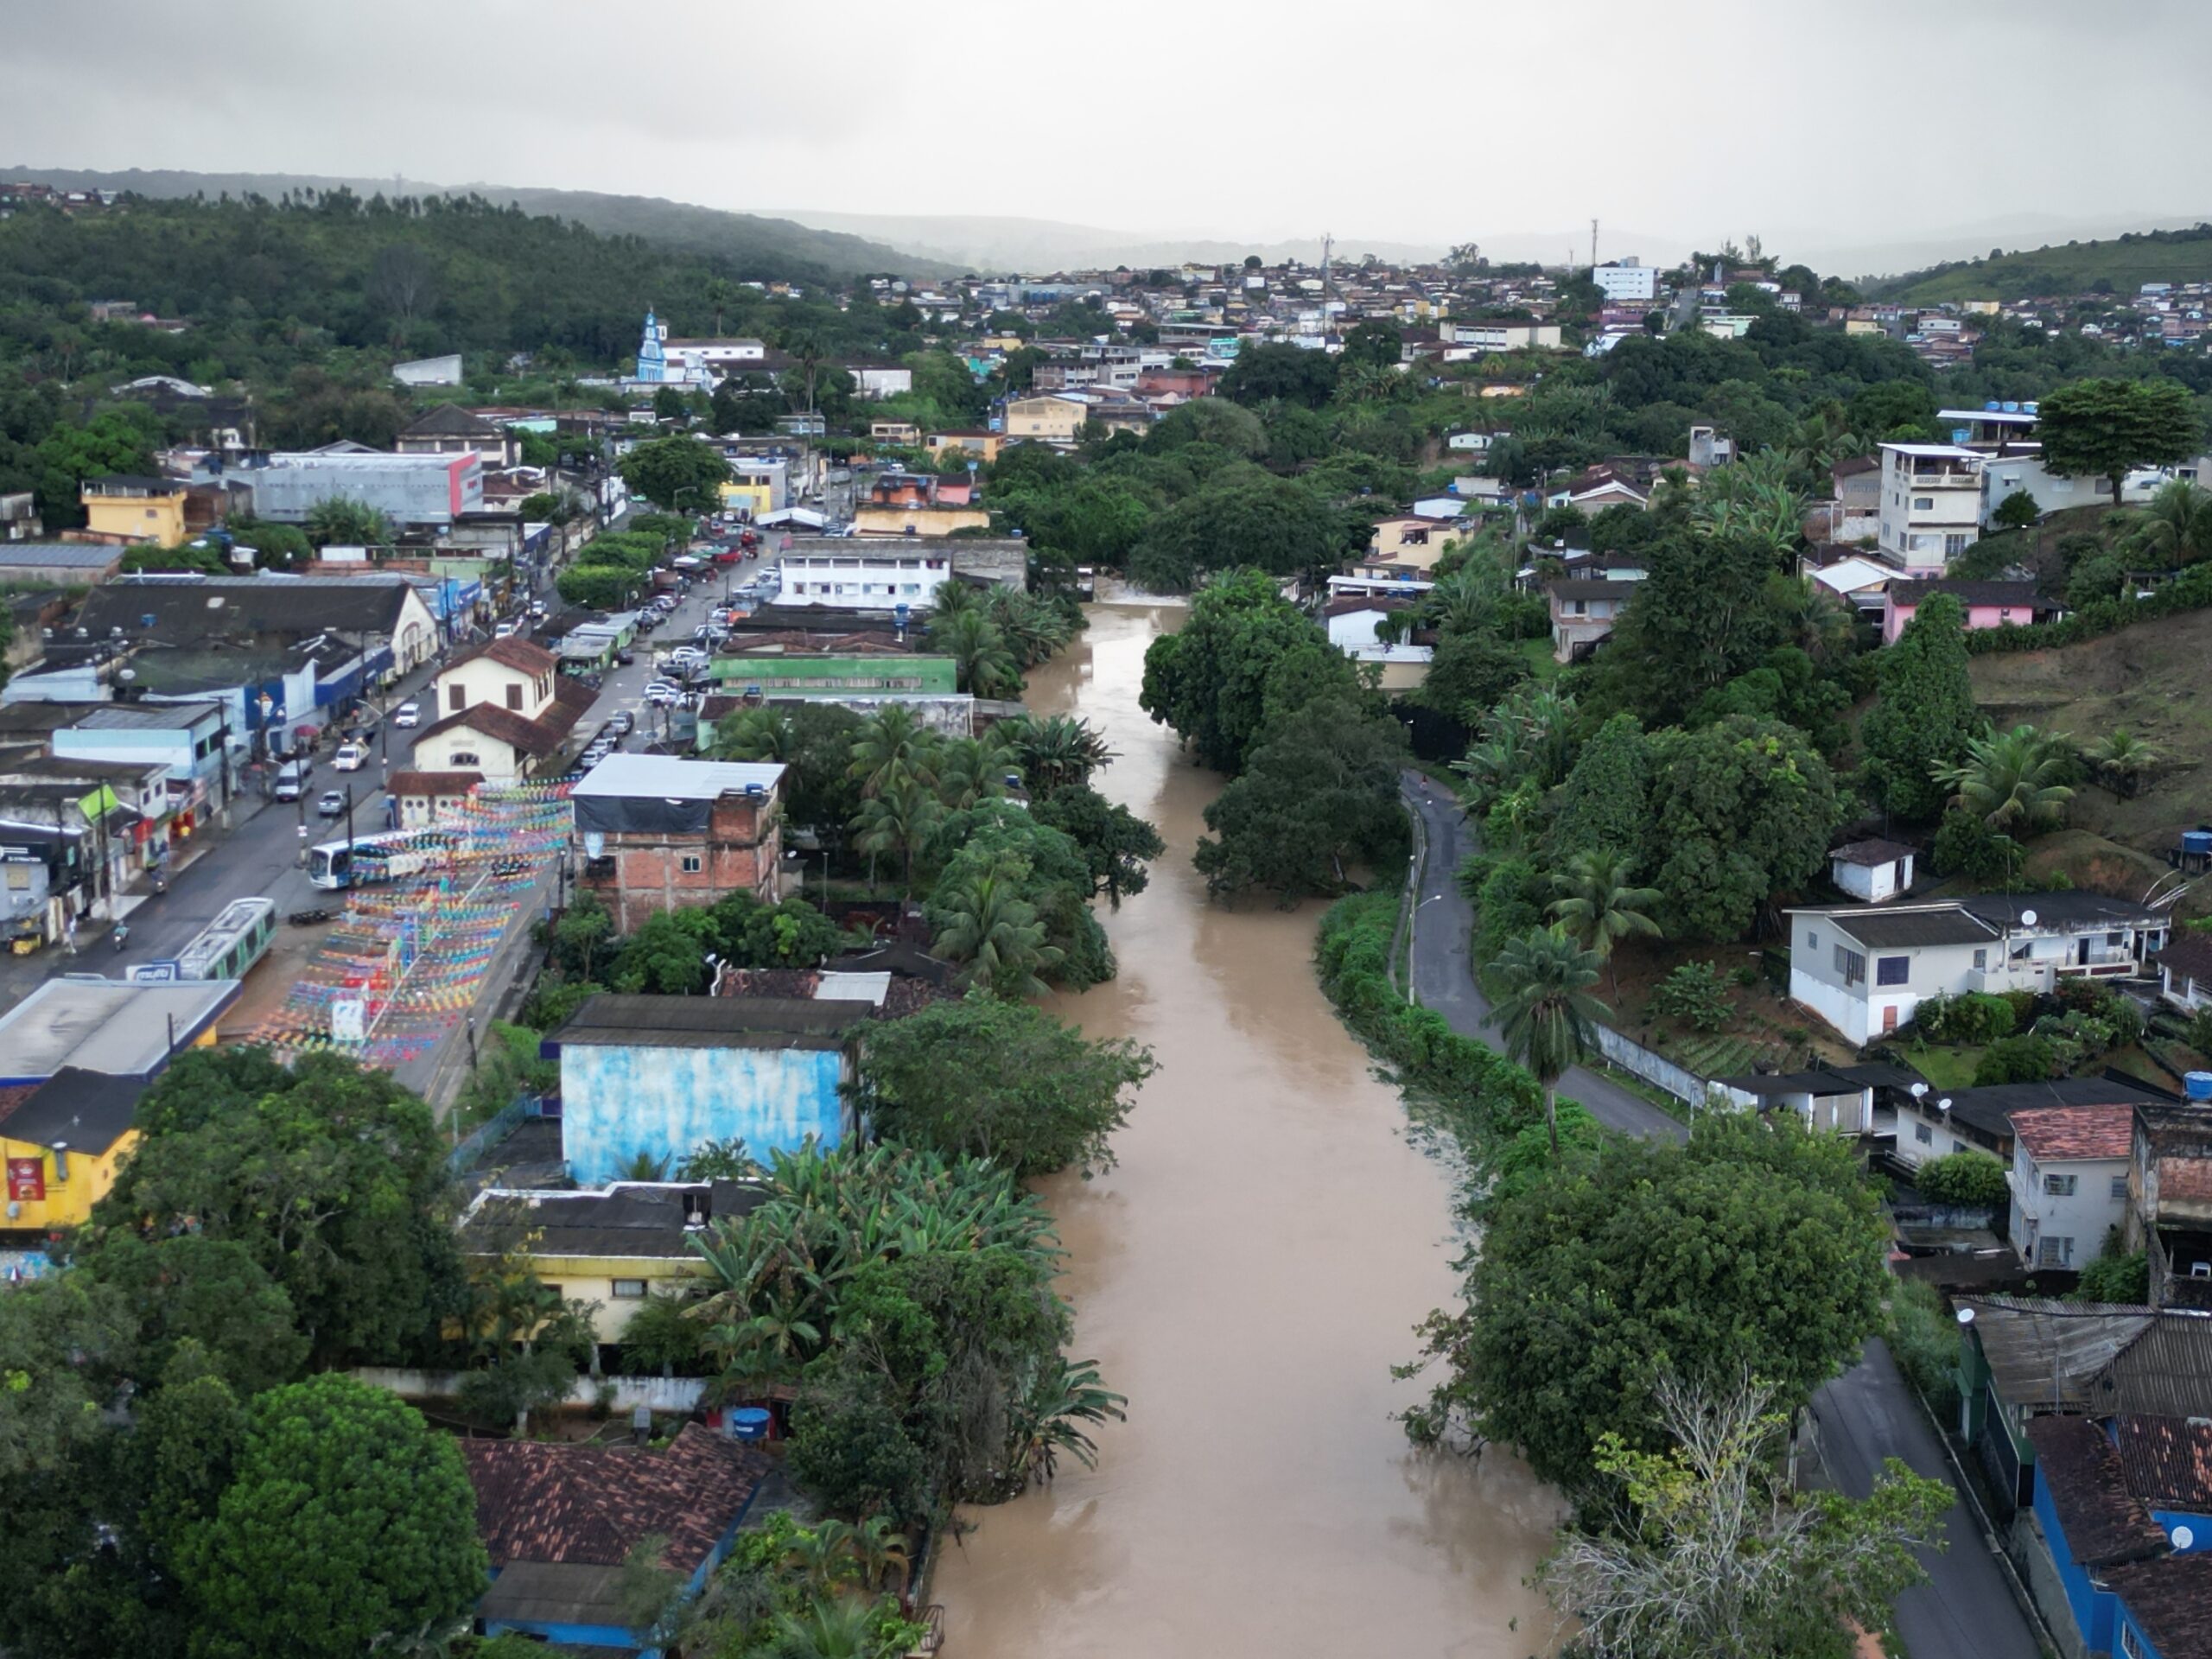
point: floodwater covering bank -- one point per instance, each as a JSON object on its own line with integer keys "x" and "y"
{"x": 1247, "y": 1276}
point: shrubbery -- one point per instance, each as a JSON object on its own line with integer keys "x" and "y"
{"x": 1975, "y": 1018}
{"x": 2190, "y": 591}
{"x": 1972, "y": 1180}
{"x": 2015, "y": 1059}
{"x": 1693, "y": 994}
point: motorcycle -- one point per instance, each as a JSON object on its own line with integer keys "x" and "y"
{"x": 122, "y": 936}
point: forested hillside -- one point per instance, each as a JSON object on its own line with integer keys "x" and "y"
{"x": 759, "y": 247}
{"x": 2120, "y": 266}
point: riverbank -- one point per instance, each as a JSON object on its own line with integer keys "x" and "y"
{"x": 1247, "y": 1274}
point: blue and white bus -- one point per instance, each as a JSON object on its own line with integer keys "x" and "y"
{"x": 226, "y": 948}
{"x": 392, "y": 856}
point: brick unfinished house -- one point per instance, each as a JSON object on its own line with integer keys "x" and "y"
{"x": 659, "y": 831}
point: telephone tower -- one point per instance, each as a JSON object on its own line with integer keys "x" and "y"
{"x": 1593, "y": 247}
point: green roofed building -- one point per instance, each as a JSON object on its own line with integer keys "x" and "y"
{"x": 833, "y": 679}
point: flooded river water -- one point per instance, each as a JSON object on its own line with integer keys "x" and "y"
{"x": 1247, "y": 1275}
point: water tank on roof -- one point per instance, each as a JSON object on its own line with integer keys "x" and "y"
{"x": 2197, "y": 1085}
{"x": 2011, "y": 408}
{"x": 2197, "y": 841}
{"x": 748, "y": 1423}
{"x": 1992, "y": 404}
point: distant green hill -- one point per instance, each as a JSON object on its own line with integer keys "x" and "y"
{"x": 750, "y": 246}
{"x": 2120, "y": 266}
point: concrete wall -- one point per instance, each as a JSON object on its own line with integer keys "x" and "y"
{"x": 617, "y": 1103}
{"x": 2084, "y": 1216}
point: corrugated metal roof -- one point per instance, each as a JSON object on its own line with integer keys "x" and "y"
{"x": 669, "y": 777}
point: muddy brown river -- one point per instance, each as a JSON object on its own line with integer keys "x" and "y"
{"x": 1247, "y": 1275}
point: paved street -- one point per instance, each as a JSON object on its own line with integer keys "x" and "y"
{"x": 1965, "y": 1611}
{"x": 258, "y": 853}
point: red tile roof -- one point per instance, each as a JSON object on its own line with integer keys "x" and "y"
{"x": 590, "y": 1504}
{"x": 539, "y": 737}
{"x": 510, "y": 652}
{"x": 2068, "y": 1133}
{"x": 2168, "y": 1461}
{"x": 2171, "y": 1599}
{"x": 2185, "y": 1178}
{"x": 410, "y": 782}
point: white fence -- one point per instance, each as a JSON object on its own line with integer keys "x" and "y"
{"x": 662, "y": 1393}
{"x": 1638, "y": 1061}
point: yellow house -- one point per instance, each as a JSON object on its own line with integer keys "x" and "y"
{"x": 984, "y": 446}
{"x": 1045, "y": 417}
{"x": 1419, "y": 542}
{"x": 751, "y": 497}
{"x": 149, "y": 510}
{"x": 63, "y": 1140}
{"x": 904, "y": 432}
{"x": 611, "y": 1246}
{"x": 893, "y": 520}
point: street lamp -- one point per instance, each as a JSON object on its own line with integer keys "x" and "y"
{"x": 472, "y": 1041}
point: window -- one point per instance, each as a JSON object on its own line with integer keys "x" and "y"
{"x": 1923, "y": 504}
{"x": 1955, "y": 543}
{"x": 514, "y": 696}
{"x": 462, "y": 757}
{"x": 1893, "y": 970}
{"x": 1923, "y": 1135}
{"x": 2131, "y": 1645}
{"x": 690, "y": 864}
{"x": 2053, "y": 1252}
{"x": 1851, "y": 965}
{"x": 1812, "y": 941}
{"x": 2119, "y": 1189}
{"x": 628, "y": 1290}
{"x": 2060, "y": 1187}
{"x": 456, "y": 699}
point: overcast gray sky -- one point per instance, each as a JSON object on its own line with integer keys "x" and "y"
{"x": 1881, "y": 121}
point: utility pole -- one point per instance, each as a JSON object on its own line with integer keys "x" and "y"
{"x": 1594, "y": 249}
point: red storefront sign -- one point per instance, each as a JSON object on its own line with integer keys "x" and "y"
{"x": 26, "y": 1180}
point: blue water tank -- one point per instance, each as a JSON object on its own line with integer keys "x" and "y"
{"x": 2197, "y": 1085}
{"x": 751, "y": 1422}
{"x": 2196, "y": 841}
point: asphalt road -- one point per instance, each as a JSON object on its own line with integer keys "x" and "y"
{"x": 1965, "y": 1610}
{"x": 258, "y": 853}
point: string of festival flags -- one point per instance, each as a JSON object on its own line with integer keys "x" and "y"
{"x": 405, "y": 963}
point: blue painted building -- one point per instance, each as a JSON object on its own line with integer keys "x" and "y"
{"x": 2165, "y": 1609}
{"x": 654, "y": 1078}
{"x": 2091, "y": 1522}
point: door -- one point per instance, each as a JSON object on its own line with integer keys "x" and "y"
{"x": 1890, "y": 1017}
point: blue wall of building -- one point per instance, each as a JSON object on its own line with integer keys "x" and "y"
{"x": 2092, "y": 1608}
{"x": 2200, "y": 1527}
{"x": 619, "y": 1102}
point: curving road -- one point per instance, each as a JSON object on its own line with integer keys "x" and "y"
{"x": 1967, "y": 1609}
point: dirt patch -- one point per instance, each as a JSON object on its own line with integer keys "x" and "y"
{"x": 2144, "y": 679}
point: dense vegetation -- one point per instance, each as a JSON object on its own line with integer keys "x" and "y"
{"x": 2118, "y": 265}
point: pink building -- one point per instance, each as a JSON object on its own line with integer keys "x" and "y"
{"x": 1987, "y": 604}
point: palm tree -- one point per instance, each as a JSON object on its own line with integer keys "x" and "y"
{"x": 1599, "y": 906}
{"x": 981, "y": 659}
{"x": 2178, "y": 525}
{"x": 2121, "y": 759}
{"x": 879, "y": 1550}
{"x": 967, "y": 770}
{"x": 899, "y": 819}
{"x": 1054, "y": 752}
{"x": 891, "y": 747}
{"x": 988, "y": 926}
{"x": 832, "y": 1627}
{"x": 762, "y": 734}
{"x": 2011, "y": 779}
{"x": 1046, "y": 1422}
{"x": 1034, "y": 629}
{"x": 1547, "y": 1018}
{"x": 823, "y": 1555}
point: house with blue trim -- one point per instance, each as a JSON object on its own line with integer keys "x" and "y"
{"x": 558, "y": 1521}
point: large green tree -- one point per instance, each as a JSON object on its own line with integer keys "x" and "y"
{"x": 1709, "y": 611}
{"x": 331, "y": 1176}
{"x": 1757, "y": 1250}
{"x": 1739, "y": 811}
{"x": 1320, "y": 797}
{"x": 1247, "y": 518}
{"x": 677, "y": 473}
{"x": 989, "y": 1079}
{"x": 114, "y": 441}
{"x": 2107, "y": 429}
{"x": 349, "y": 1526}
{"x": 1245, "y": 654}
{"x": 1925, "y": 712}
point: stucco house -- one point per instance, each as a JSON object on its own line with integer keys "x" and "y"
{"x": 505, "y": 711}
{"x": 1583, "y": 611}
{"x": 1986, "y": 604}
{"x": 659, "y": 831}
{"x": 1864, "y": 969}
{"x": 647, "y": 1080}
{"x": 1872, "y": 871}
{"x": 2185, "y": 971}
{"x": 2069, "y": 1181}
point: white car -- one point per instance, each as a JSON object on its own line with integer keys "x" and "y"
{"x": 408, "y": 713}
{"x": 351, "y": 757}
{"x": 661, "y": 693}
{"x": 506, "y": 631}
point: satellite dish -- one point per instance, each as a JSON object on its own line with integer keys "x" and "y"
{"x": 2027, "y": 918}
{"x": 1944, "y": 1105}
{"x": 1966, "y": 1316}
{"x": 2183, "y": 1537}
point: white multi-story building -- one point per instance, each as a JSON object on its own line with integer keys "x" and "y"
{"x": 863, "y": 582}
{"x": 1626, "y": 283}
{"x": 2068, "y": 1180}
{"x": 1931, "y": 504}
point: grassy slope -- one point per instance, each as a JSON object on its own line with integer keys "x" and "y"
{"x": 2148, "y": 679}
{"x": 2158, "y": 257}
{"x": 669, "y": 223}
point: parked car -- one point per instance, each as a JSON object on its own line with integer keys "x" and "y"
{"x": 506, "y": 630}
{"x": 661, "y": 693}
{"x": 351, "y": 757}
{"x": 624, "y": 656}
{"x": 409, "y": 713}
{"x": 331, "y": 804}
{"x": 623, "y": 724}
